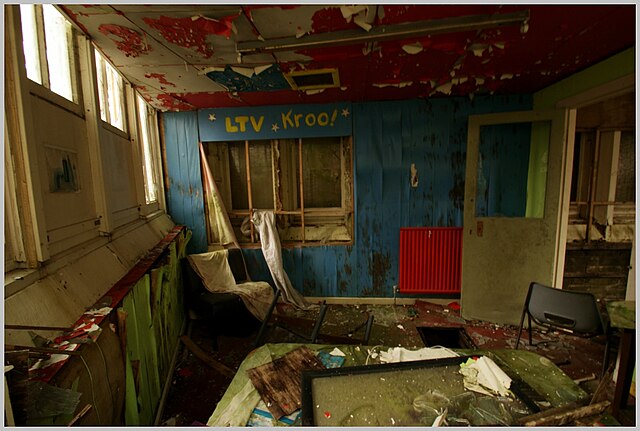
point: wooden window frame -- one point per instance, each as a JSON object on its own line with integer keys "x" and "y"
{"x": 320, "y": 215}
{"x": 106, "y": 98}
{"x": 588, "y": 176}
{"x": 74, "y": 104}
{"x": 154, "y": 161}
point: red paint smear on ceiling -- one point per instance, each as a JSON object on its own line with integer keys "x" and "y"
{"x": 192, "y": 33}
{"x": 160, "y": 77}
{"x": 131, "y": 42}
{"x": 74, "y": 18}
{"x": 173, "y": 104}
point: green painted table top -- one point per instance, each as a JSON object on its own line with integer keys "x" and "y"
{"x": 542, "y": 375}
{"x": 622, "y": 314}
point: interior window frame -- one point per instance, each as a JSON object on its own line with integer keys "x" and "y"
{"x": 43, "y": 89}
{"x": 288, "y": 204}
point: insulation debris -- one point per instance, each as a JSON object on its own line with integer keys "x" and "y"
{"x": 413, "y": 48}
{"x": 312, "y": 92}
{"x": 396, "y": 84}
{"x": 478, "y": 49}
{"x": 444, "y": 88}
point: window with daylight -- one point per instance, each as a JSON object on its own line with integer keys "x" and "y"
{"x": 110, "y": 93}
{"x": 149, "y": 149}
{"x": 307, "y": 182}
{"x": 49, "y": 53}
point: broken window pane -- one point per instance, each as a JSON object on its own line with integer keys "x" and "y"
{"x": 148, "y": 165}
{"x": 322, "y": 172}
{"x": 238, "y": 176}
{"x": 115, "y": 97}
{"x": 261, "y": 174}
{"x": 625, "y": 185}
{"x": 30, "y": 42}
{"x": 110, "y": 93}
{"x": 100, "y": 78}
{"x": 57, "y": 31}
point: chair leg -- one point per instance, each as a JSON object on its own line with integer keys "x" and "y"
{"x": 316, "y": 328}
{"x": 530, "y": 330}
{"x": 524, "y": 311}
{"x": 265, "y": 322}
{"x": 367, "y": 331}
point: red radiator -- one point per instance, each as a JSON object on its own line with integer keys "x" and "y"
{"x": 430, "y": 259}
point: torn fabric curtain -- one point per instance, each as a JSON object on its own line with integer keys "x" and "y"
{"x": 265, "y": 223}
{"x": 220, "y": 230}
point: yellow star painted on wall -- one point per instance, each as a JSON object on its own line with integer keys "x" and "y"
{"x": 275, "y": 127}
{"x": 212, "y": 117}
{"x": 345, "y": 112}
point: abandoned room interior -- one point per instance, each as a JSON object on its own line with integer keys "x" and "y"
{"x": 320, "y": 215}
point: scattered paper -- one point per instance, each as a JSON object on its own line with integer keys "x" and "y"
{"x": 336, "y": 352}
{"x": 484, "y": 376}
{"x": 99, "y": 312}
{"x": 400, "y": 354}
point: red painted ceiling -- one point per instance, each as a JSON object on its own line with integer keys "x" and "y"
{"x": 165, "y": 50}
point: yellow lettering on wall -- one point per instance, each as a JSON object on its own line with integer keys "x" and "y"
{"x": 323, "y": 119}
{"x": 242, "y": 121}
{"x": 297, "y": 118}
{"x": 230, "y": 127}
{"x": 286, "y": 119}
{"x": 310, "y": 120}
{"x": 257, "y": 126}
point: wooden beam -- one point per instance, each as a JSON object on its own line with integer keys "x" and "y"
{"x": 206, "y": 358}
{"x": 562, "y": 415}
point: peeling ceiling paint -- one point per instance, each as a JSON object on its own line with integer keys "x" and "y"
{"x": 183, "y": 57}
{"x": 127, "y": 40}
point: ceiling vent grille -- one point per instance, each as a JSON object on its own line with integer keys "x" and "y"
{"x": 313, "y": 79}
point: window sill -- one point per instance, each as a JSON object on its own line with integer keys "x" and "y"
{"x": 46, "y": 94}
{"x": 18, "y": 279}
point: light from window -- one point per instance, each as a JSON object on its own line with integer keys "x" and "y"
{"x": 110, "y": 93}
{"x": 149, "y": 165}
{"x": 48, "y": 48}
{"x": 30, "y": 42}
{"x": 305, "y": 181}
{"x": 57, "y": 31}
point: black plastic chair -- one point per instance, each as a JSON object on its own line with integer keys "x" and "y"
{"x": 571, "y": 311}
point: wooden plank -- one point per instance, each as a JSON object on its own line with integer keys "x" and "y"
{"x": 562, "y": 415}
{"x": 279, "y": 382}
{"x": 203, "y": 356}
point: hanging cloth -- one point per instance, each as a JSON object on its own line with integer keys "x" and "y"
{"x": 220, "y": 230}
{"x": 265, "y": 223}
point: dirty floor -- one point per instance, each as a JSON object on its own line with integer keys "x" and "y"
{"x": 197, "y": 388}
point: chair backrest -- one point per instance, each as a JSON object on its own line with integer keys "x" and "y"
{"x": 236, "y": 263}
{"x": 577, "y": 311}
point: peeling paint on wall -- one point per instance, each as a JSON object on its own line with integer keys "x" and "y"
{"x": 192, "y": 32}
{"x": 170, "y": 103}
{"x": 130, "y": 42}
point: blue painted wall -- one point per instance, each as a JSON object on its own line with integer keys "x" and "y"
{"x": 183, "y": 178}
{"x": 388, "y": 138}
